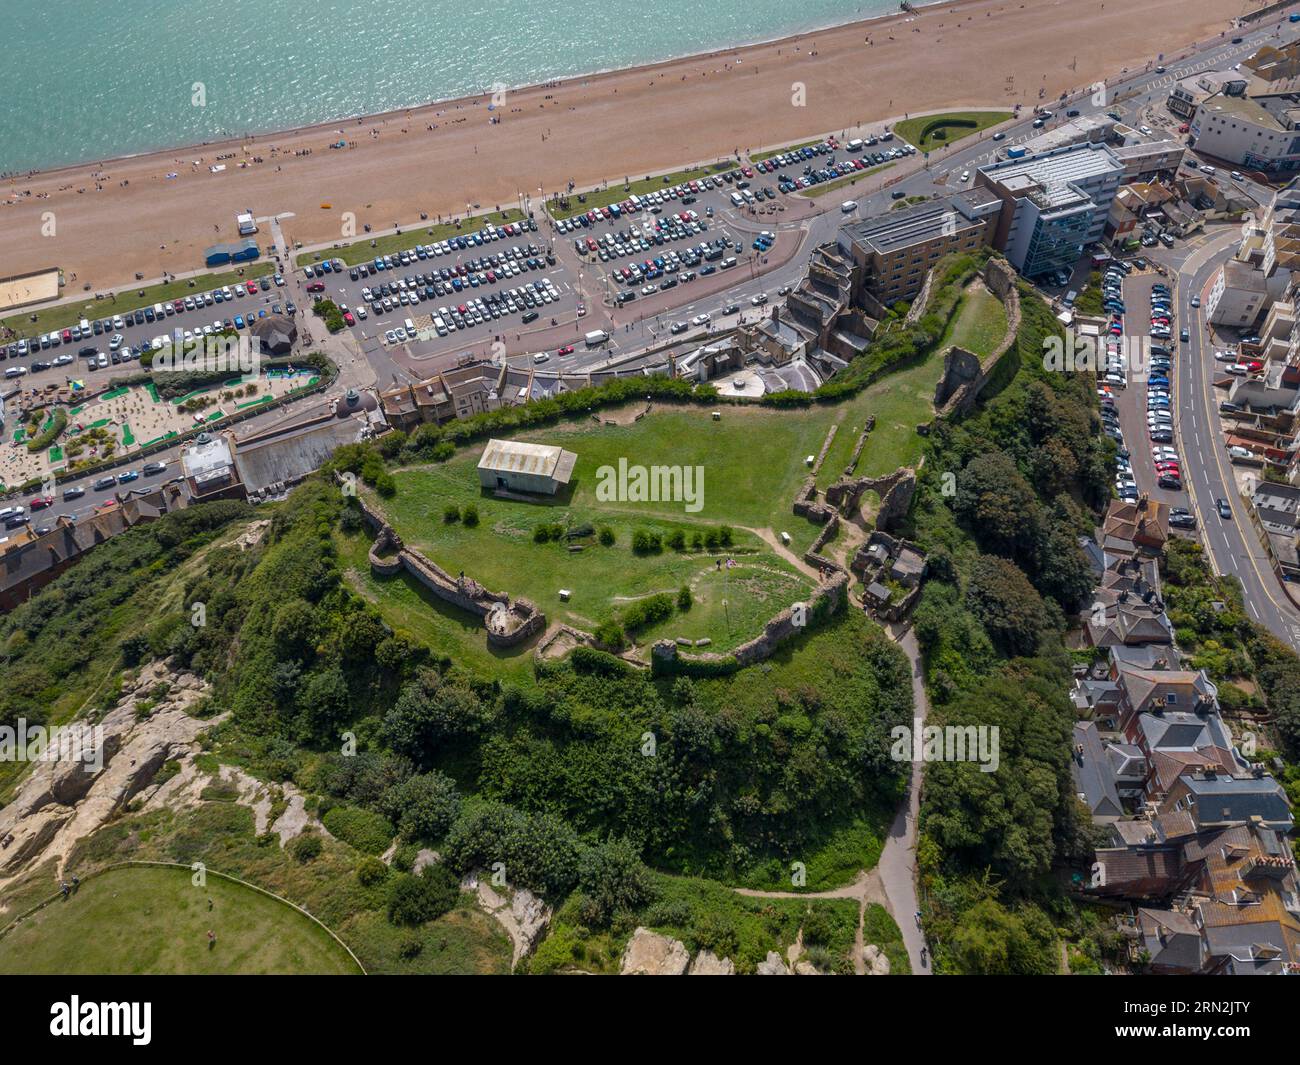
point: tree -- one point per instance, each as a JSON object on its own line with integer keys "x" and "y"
{"x": 414, "y": 899}
{"x": 324, "y": 705}
{"x": 293, "y": 628}
{"x": 469, "y": 515}
{"x": 998, "y": 506}
{"x": 684, "y": 599}
{"x": 424, "y": 806}
{"x": 612, "y": 881}
{"x": 991, "y": 940}
{"x": 1006, "y": 604}
{"x": 539, "y": 851}
{"x": 431, "y": 712}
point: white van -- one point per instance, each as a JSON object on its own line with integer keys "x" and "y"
{"x": 854, "y": 145}
{"x": 849, "y": 206}
{"x": 737, "y": 199}
{"x": 410, "y": 327}
{"x": 159, "y": 311}
{"x": 596, "y": 337}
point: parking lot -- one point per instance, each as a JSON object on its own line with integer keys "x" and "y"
{"x": 99, "y": 346}
{"x": 1142, "y": 408}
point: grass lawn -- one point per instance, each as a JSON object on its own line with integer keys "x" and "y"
{"x": 66, "y": 314}
{"x": 848, "y": 179}
{"x": 619, "y": 191}
{"x": 363, "y": 251}
{"x": 140, "y": 920}
{"x": 879, "y": 928}
{"x": 946, "y": 128}
{"x": 979, "y": 324}
{"x": 752, "y": 464}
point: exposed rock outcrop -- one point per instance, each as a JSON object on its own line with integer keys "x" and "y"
{"x": 651, "y": 954}
{"x": 115, "y": 762}
{"x": 707, "y": 963}
{"x": 876, "y": 960}
{"x": 772, "y": 965}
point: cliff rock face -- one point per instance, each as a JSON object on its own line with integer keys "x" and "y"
{"x": 707, "y": 963}
{"x": 101, "y": 767}
{"x": 650, "y": 954}
{"x": 772, "y": 965}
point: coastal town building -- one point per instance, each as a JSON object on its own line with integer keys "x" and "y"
{"x": 1197, "y": 833}
{"x": 1238, "y": 295}
{"x": 29, "y": 562}
{"x": 896, "y": 250}
{"x": 1187, "y": 94}
{"x": 1262, "y": 134}
{"x": 270, "y": 460}
{"x": 1053, "y": 204}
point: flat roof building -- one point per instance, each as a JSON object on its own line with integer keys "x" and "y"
{"x": 1244, "y": 131}
{"x": 897, "y": 249}
{"x": 1053, "y": 204}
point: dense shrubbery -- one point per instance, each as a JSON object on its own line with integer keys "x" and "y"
{"x": 367, "y": 831}
{"x": 414, "y": 899}
{"x": 1031, "y": 474}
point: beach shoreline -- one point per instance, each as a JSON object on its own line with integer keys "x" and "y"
{"x": 325, "y": 125}
{"x": 113, "y": 218}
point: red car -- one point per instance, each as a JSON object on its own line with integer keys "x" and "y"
{"x": 1254, "y": 365}
{"x": 315, "y": 286}
{"x": 347, "y": 317}
{"x": 252, "y": 287}
{"x": 566, "y": 350}
{"x": 40, "y": 502}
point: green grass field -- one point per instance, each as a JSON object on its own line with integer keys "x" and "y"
{"x": 979, "y": 324}
{"x": 362, "y": 251}
{"x": 619, "y": 191}
{"x": 752, "y": 463}
{"x": 151, "y": 920}
{"x": 911, "y": 129}
{"x": 66, "y": 314}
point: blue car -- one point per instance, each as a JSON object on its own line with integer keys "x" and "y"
{"x": 239, "y": 321}
{"x": 129, "y": 475}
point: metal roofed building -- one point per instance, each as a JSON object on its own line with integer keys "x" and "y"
{"x": 515, "y": 466}
{"x": 1054, "y": 204}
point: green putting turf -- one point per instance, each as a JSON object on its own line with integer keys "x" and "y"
{"x": 153, "y": 920}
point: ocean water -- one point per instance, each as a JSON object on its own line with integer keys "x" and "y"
{"x": 85, "y": 80}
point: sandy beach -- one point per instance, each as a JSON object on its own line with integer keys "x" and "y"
{"x": 113, "y": 219}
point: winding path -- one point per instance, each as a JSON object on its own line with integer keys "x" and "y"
{"x": 892, "y": 883}
{"x": 897, "y": 866}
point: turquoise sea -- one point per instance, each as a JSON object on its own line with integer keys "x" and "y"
{"x": 92, "y": 79}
